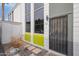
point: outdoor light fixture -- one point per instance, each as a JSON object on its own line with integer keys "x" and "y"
{"x": 47, "y": 17}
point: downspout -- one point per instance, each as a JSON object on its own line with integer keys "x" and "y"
{"x": 2, "y": 53}
{"x": 2, "y": 11}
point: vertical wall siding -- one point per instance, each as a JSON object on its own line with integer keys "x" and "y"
{"x": 76, "y": 29}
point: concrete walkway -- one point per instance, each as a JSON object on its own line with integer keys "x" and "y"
{"x": 31, "y": 50}
{"x": 28, "y": 50}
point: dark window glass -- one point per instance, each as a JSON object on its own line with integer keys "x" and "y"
{"x": 27, "y": 8}
{"x": 39, "y": 18}
{"x": 28, "y": 16}
{"x": 38, "y": 5}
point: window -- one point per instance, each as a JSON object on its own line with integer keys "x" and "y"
{"x": 38, "y": 5}
{"x": 28, "y": 16}
{"x": 39, "y": 17}
{"x": 27, "y": 8}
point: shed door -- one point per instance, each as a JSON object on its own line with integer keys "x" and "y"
{"x": 58, "y": 34}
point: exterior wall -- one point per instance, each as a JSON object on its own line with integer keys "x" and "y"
{"x": 10, "y": 29}
{"x": 76, "y": 29}
{"x": 19, "y": 15}
{"x": 46, "y": 26}
{"x": 59, "y": 9}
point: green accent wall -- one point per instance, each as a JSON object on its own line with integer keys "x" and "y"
{"x": 27, "y": 36}
{"x": 39, "y": 39}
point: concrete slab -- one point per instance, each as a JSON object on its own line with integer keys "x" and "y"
{"x": 31, "y": 48}
{"x": 36, "y": 51}
{"x": 27, "y": 45}
{"x": 25, "y": 52}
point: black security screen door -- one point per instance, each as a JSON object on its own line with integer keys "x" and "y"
{"x": 58, "y": 34}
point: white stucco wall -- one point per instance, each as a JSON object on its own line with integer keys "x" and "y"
{"x": 19, "y": 15}
{"x": 76, "y": 29}
{"x": 10, "y": 29}
{"x": 46, "y": 26}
